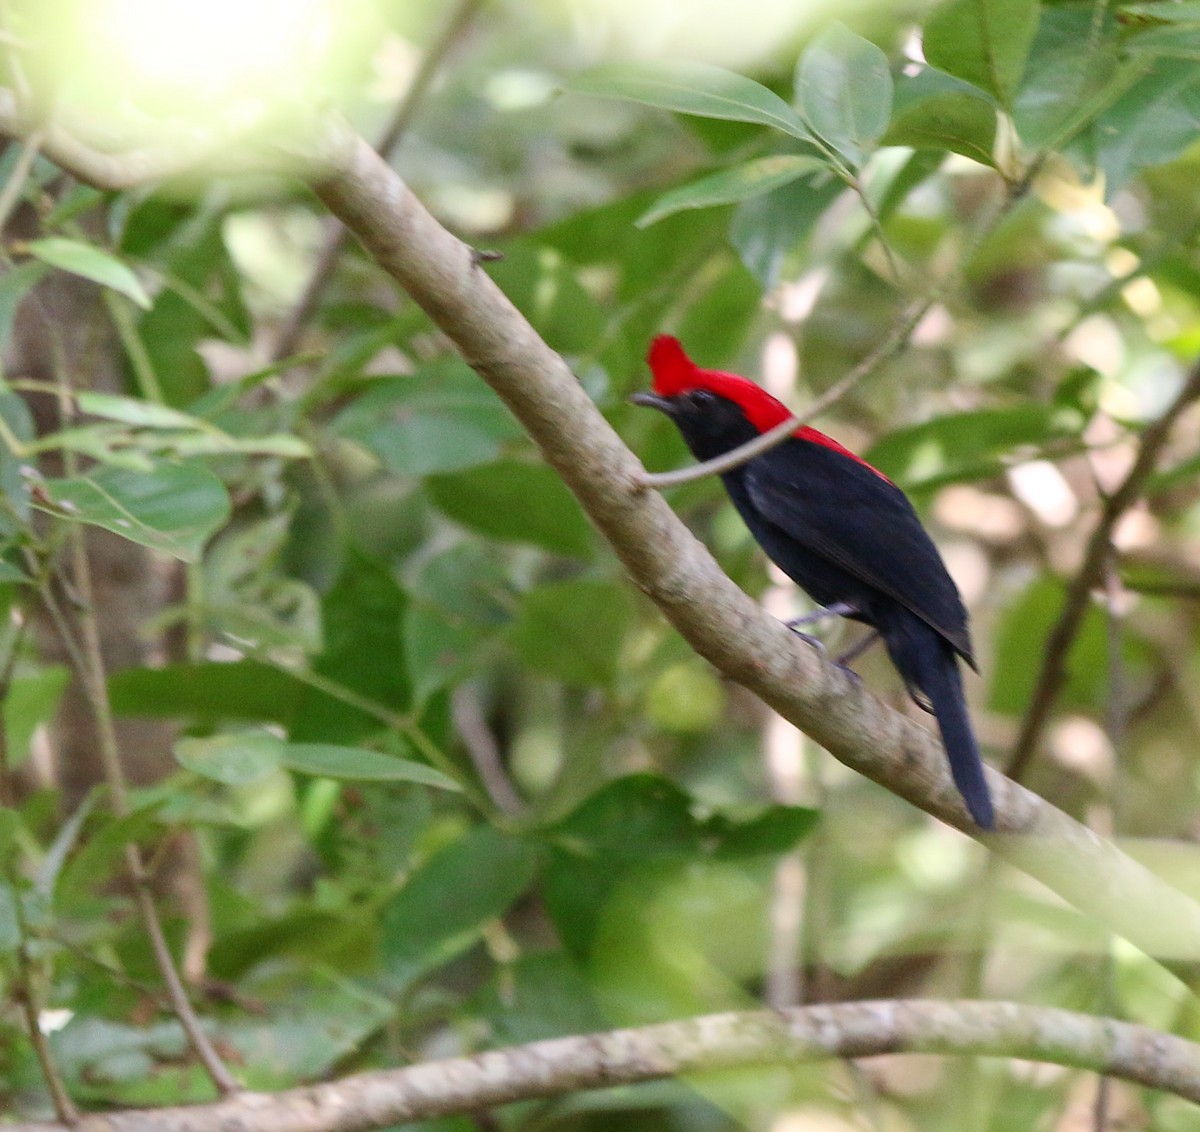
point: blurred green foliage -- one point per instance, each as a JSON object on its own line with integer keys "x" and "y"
{"x": 454, "y": 782}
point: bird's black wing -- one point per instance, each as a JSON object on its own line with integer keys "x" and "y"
{"x": 841, "y": 510}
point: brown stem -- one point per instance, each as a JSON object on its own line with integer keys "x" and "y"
{"x": 472, "y": 728}
{"x": 23, "y": 984}
{"x": 94, "y": 681}
{"x": 64, "y": 1107}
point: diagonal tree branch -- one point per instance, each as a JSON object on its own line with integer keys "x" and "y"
{"x": 1053, "y": 674}
{"x": 694, "y": 1046}
{"x": 663, "y": 558}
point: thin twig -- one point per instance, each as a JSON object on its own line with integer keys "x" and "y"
{"x": 877, "y": 226}
{"x": 64, "y": 1107}
{"x": 484, "y": 751}
{"x": 1116, "y": 724}
{"x": 23, "y": 984}
{"x": 95, "y": 685}
{"x": 336, "y": 237}
{"x": 140, "y": 361}
{"x": 10, "y": 642}
{"x": 1053, "y": 675}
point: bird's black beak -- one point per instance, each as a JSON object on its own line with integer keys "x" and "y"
{"x": 654, "y": 401}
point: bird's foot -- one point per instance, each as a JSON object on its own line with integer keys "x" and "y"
{"x": 853, "y": 676}
{"x": 816, "y": 642}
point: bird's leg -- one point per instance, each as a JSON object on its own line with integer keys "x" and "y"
{"x": 837, "y": 609}
{"x": 855, "y": 651}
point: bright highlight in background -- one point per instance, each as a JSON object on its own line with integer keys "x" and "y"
{"x": 212, "y": 47}
{"x": 739, "y": 35}
{"x": 127, "y": 72}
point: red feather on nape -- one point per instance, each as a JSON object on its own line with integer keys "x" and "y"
{"x": 674, "y": 372}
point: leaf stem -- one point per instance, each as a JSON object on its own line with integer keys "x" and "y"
{"x": 135, "y": 348}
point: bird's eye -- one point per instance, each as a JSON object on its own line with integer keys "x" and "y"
{"x": 703, "y": 398}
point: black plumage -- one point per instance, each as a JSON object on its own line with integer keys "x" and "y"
{"x": 845, "y": 534}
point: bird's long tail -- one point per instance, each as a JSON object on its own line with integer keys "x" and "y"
{"x": 929, "y": 663}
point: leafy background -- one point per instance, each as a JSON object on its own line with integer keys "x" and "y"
{"x": 451, "y": 782}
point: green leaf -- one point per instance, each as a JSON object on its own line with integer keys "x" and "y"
{"x": 441, "y": 649}
{"x": 446, "y": 902}
{"x": 56, "y": 856}
{"x": 542, "y": 995}
{"x": 844, "y": 88}
{"x": 766, "y": 229}
{"x": 516, "y": 502}
{"x": 233, "y": 759}
{"x": 1156, "y": 12}
{"x": 188, "y": 435}
{"x": 774, "y": 830}
{"x": 729, "y": 185}
{"x": 460, "y": 600}
{"x": 1071, "y": 75}
{"x": 357, "y": 763}
{"x": 10, "y": 830}
{"x": 92, "y": 263}
{"x": 129, "y": 410}
{"x": 102, "y": 856}
{"x": 465, "y": 582}
{"x": 574, "y": 630}
{"x": 363, "y": 617}
{"x": 1021, "y": 645}
{"x": 441, "y": 419}
{"x": 937, "y": 111}
{"x": 188, "y": 251}
{"x": 14, "y": 517}
{"x": 32, "y": 701}
{"x": 281, "y": 444}
{"x": 1152, "y": 122}
{"x": 984, "y": 42}
{"x": 693, "y": 88}
{"x": 246, "y": 594}
{"x": 1167, "y": 42}
{"x": 208, "y": 693}
{"x": 623, "y": 826}
{"x": 173, "y": 509}
{"x": 10, "y": 923}
{"x": 105, "y": 443}
{"x": 638, "y": 816}
{"x": 686, "y": 697}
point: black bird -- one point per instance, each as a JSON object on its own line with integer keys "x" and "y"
{"x": 843, "y": 532}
